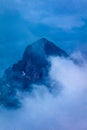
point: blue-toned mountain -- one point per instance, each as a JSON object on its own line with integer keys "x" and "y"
{"x": 33, "y": 68}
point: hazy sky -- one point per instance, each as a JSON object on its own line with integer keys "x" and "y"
{"x": 24, "y": 21}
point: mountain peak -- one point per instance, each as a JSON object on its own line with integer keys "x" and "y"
{"x": 43, "y": 39}
{"x": 44, "y": 47}
{"x": 33, "y": 68}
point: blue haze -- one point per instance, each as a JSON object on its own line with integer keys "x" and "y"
{"x": 22, "y": 22}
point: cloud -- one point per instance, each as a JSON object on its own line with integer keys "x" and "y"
{"x": 55, "y": 13}
{"x": 53, "y": 9}
{"x": 64, "y": 22}
{"x": 44, "y": 111}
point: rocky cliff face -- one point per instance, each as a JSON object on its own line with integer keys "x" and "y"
{"x": 33, "y": 68}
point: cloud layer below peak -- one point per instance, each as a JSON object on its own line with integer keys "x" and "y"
{"x": 67, "y": 110}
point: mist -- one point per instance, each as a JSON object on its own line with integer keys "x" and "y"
{"x": 45, "y": 111}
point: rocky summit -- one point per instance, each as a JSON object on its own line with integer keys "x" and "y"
{"x": 33, "y": 68}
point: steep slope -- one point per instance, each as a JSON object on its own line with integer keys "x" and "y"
{"x": 33, "y": 68}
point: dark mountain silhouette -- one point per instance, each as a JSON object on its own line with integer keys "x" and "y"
{"x": 33, "y": 68}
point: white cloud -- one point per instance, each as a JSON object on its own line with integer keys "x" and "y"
{"x": 43, "y": 111}
{"x": 65, "y": 22}
{"x": 53, "y": 13}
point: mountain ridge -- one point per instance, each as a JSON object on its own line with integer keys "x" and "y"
{"x": 33, "y": 68}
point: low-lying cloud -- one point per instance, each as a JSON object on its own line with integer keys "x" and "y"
{"x": 44, "y": 111}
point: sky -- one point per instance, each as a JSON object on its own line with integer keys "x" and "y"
{"x": 24, "y": 21}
